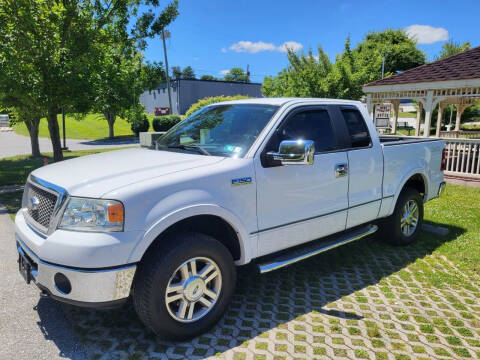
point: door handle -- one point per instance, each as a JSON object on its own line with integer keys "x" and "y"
{"x": 341, "y": 170}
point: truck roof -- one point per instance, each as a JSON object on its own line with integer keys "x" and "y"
{"x": 291, "y": 100}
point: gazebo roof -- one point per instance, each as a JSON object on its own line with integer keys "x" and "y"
{"x": 462, "y": 66}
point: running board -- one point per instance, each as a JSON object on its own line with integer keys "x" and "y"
{"x": 288, "y": 257}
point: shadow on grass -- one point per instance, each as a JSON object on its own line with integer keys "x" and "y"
{"x": 261, "y": 302}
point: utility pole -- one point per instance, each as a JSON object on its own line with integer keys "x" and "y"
{"x": 247, "y": 78}
{"x": 166, "y": 34}
{"x": 64, "y": 135}
{"x": 383, "y": 64}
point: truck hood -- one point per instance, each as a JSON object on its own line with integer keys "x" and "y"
{"x": 95, "y": 175}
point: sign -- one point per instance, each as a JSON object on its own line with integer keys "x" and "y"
{"x": 382, "y": 115}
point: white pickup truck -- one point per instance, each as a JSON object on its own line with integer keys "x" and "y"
{"x": 263, "y": 181}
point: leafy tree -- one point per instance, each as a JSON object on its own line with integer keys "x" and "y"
{"x": 316, "y": 76}
{"x": 176, "y": 72}
{"x": 154, "y": 74}
{"x": 207, "y": 77}
{"x": 49, "y": 49}
{"x": 236, "y": 74}
{"x": 188, "y": 73}
{"x": 451, "y": 48}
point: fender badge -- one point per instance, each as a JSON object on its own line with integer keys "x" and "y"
{"x": 242, "y": 181}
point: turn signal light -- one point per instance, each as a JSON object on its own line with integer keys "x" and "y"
{"x": 115, "y": 213}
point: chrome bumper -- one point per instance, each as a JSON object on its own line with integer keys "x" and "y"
{"x": 87, "y": 287}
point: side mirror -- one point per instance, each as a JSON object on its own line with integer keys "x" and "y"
{"x": 296, "y": 152}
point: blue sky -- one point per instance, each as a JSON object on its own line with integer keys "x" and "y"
{"x": 214, "y": 35}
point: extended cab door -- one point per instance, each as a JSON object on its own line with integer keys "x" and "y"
{"x": 299, "y": 203}
{"x": 365, "y": 167}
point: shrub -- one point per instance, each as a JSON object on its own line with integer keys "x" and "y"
{"x": 165, "y": 122}
{"x": 211, "y": 100}
{"x": 140, "y": 124}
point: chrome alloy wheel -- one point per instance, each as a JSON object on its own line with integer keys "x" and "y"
{"x": 409, "y": 219}
{"x": 193, "y": 289}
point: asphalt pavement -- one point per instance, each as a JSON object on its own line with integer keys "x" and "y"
{"x": 12, "y": 144}
{"x": 31, "y": 327}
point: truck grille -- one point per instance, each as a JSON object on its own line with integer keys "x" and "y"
{"x": 40, "y": 206}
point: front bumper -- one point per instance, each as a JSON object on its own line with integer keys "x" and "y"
{"x": 88, "y": 287}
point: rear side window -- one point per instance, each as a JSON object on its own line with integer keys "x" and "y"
{"x": 357, "y": 129}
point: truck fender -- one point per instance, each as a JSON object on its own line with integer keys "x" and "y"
{"x": 247, "y": 243}
{"x": 417, "y": 171}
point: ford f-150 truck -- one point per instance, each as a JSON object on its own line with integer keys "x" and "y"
{"x": 266, "y": 182}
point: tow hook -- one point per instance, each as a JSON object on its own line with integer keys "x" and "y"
{"x": 44, "y": 294}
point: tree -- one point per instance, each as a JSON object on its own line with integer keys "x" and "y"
{"x": 236, "y": 74}
{"x": 451, "y": 48}
{"x": 154, "y": 74}
{"x": 316, "y": 76}
{"x": 188, "y": 73}
{"x": 176, "y": 72}
{"x": 207, "y": 77}
{"x": 51, "y": 48}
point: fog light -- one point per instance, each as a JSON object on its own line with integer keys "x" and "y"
{"x": 62, "y": 284}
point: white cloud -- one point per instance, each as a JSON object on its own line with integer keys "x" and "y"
{"x": 224, "y": 50}
{"x": 426, "y": 34}
{"x": 255, "y": 47}
{"x": 224, "y": 72}
{"x": 290, "y": 45}
{"x": 252, "y": 47}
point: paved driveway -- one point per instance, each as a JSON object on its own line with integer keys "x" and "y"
{"x": 365, "y": 300}
{"x": 12, "y": 144}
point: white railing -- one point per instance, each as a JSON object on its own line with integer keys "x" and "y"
{"x": 462, "y": 157}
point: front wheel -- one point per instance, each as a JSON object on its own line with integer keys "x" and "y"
{"x": 182, "y": 288}
{"x": 403, "y": 226}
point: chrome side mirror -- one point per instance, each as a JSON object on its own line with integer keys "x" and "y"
{"x": 295, "y": 152}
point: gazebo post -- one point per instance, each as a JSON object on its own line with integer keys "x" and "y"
{"x": 396, "y": 105}
{"x": 460, "y": 109}
{"x": 428, "y": 113}
{"x": 439, "y": 119}
{"x": 419, "y": 117}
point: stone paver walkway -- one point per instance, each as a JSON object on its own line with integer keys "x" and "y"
{"x": 12, "y": 144}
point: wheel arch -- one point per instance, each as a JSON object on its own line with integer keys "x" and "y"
{"x": 208, "y": 219}
{"x": 416, "y": 179}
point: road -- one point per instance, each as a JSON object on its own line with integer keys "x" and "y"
{"x": 12, "y": 144}
{"x": 31, "y": 328}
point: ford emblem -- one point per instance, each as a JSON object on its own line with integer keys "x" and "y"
{"x": 34, "y": 202}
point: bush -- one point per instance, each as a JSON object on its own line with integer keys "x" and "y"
{"x": 165, "y": 122}
{"x": 140, "y": 124}
{"x": 211, "y": 100}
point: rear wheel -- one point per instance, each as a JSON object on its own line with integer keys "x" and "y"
{"x": 403, "y": 226}
{"x": 182, "y": 288}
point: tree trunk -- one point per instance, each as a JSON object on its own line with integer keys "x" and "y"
{"x": 111, "y": 121}
{"x": 32, "y": 126}
{"x": 54, "y": 134}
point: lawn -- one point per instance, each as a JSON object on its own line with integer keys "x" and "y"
{"x": 15, "y": 169}
{"x": 92, "y": 127}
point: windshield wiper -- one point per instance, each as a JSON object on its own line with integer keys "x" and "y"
{"x": 195, "y": 147}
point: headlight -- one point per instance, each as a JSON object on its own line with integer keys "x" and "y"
{"x": 83, "y": 214}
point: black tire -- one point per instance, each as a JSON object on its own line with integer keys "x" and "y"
{"x": 155, "y": 271}
{"x": 390, "y": 227}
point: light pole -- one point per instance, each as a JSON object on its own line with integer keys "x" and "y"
{"x": 166, "y": 34}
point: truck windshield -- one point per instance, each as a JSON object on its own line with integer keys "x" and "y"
{"x": 223, "y": 130}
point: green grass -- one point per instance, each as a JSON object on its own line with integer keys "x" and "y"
{"x": 92, "y": 127}
{"x": 15, "y": 169}
{"x": 12, "y": 202}
{"x": 409, "y": 114}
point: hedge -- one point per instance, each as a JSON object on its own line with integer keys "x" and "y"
{"x": 165, "y": 122}
{"x": 211, "y": 100}
{"x": 140, "y": 125}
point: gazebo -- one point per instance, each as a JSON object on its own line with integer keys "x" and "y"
{"x": 453, "y": 80}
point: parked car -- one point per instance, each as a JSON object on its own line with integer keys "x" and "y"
{"x": 267, "y": 182}
{"x": 4, "y": 118}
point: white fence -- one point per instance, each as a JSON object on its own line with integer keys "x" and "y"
{"x": 463, "y": 157}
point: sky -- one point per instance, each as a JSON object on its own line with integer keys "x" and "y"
{"x": 213, "y": 36}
